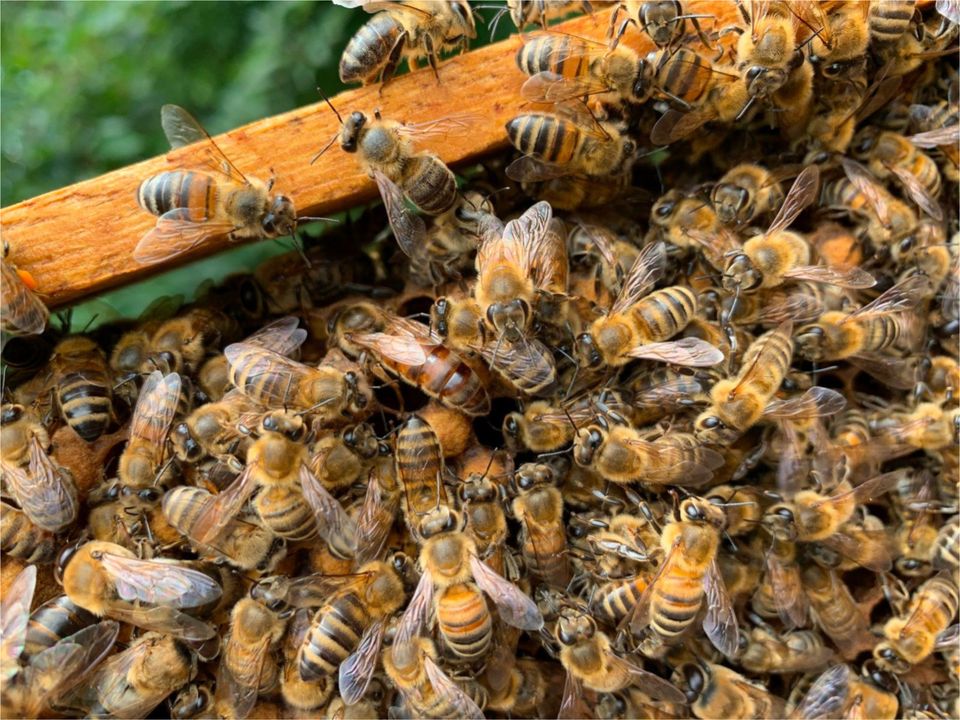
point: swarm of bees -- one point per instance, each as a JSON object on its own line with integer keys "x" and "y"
{"x": 652, "y": 432}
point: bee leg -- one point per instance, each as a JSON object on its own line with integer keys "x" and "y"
{"x": 432, "y": 57}
{"x": 393, "y": 60}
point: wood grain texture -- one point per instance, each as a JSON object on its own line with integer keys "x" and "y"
{"x": 79, "y": 240}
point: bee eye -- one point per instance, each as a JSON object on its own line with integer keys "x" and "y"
{"x": 595, "y": 439}
{"x": 511, "y": 426}
{"x": 268, "y": 224}
{"x": 63, "y": 559}
{"x": 270, "y": 423}
{"x": 350, "y": 437}
{"x": 754, "y": 72}
{"x": 10, "y": 414}
{"x": 693, "y": 512}
{"x": 710, "y": 422}
{"x": 664, "y": 210}
{"x": 785, "y": 513}
{"x": 150, "y": 495}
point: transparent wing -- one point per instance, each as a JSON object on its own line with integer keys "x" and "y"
{"x": 182, "y": 129}
{"x": 528, "y": 363}
{"x": 163, "y": 619}
{"x": 692, "y": 352}
{"x": 14, "y": 615}
{"x": 802, "y": 194}
{"x": 720, "y": 621}
{"x": 917, "y": 192}
{"x": 175, "y": 233}
{"x": 335, "y": 526}
{"x": 356, "y": 671}
{"x": 440, "y": 127}
{"x": 798, "y": 307}
{"x": 251, "y": 362}
{"x": 674, "y": 125}
{"x": 155, "y": 409}
{"x": 788, "y": 593}
{"x": 649, "y": 267}
{"x": 375, "y": 521}
{"x": 827, "y": 697}
{"x": 448, "y": 691}
{"x": 23, "y": 310}
{"x": 903, "y": 296}
{"x": 47, "y": 497}
{"x": 653, "y": 685}
{"x": 868, "y": 549}
{"x": 159, "y": 583}
{"x": 414, "y": 618}
{"x": 815, "y": 403}
{"x": 853, "y": 277}
{"x": 673, "y": 465}
{"x": 281, "y": 336}
{"x": 572, "y": 704}
{"x": 235, "y": 691}
{"x": 866, "y": 183}
{"x": 408, "y": 227}
{"x": 899, "y": 373}
{"x": 223, "y": 507}
{"x": 531, "y": 169}
{"x": 949, "y": 135}
{"x": 515, "y": 607}
{"x": 549, "y": 87}
{"x": 404, "y": 350}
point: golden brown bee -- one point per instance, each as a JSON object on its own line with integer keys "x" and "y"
{"x": 427, "y": 691}
{"x": 541, "y": 428}
{"x": 412, "y": 29}
{"x": 452, "y": 585}
{"x": 419, "y": 462}
{"x": 621, "y": 454}
{"x": 298, "y": 693}
{"x": 927, "y": 426}
{"x": 339, "y": 459}
{"x": 23, "y": 312}
{"x": 108, "y": 580}
{"x": 180, "y": 344}
{"x": 485, "y": 521}
{"x": 640, "y": 327}
{"x": 83, "y": 386}
{"x": 835, "y": 611}
{"x": 539, "y": 508}
{"x": 915, "y": 543}
{"x": 938, "y": 133}
{"x": 859, "y": 193}
{"x": 195, "y": 205}
{"x": 421, "y": 359}
{"x": 781, "y": 592}
{"x": 21, "y": 539}
{"x": 887, "y": 21}
{"x": 767, "y": 651}
{"x": 192, "y": 701}
{"x": 913, "y": 634}
{"x": 247, "y": 664}
{"x": 687, "y": 579}
{"x": 590, "y": 660}
{"x": 444, "y": 253}
{"x": 663, "y": 21}
{"x": 725, "y": 100}
{"x": 44, "y": 490}
{"x": 243, "y": 543}
{"x": 213, "y": 429}
{"x": 133, "y": 682}
{"x": 714, "y": 692}
{"x": 839, "y": 692}
{"x": 741, "y": 504}
{"x": 53, "y": 621}
{"x": 745, "y": 193}
{"x": 278, "y": 466}
{"x": 140, "y": 463}
{"x": 515, "y": 685}
{"x": 541, "y": 12}
{"x": 946, "y": 555}
{"x": 378, "y": 512}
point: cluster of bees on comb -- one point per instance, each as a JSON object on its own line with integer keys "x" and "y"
{"x": 627, "y": 425}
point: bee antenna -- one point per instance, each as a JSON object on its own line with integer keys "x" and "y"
{"x": 327, "y": 101}
{"x": 325, "y": 147}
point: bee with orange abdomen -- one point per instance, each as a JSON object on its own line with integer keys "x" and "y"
{"x": 24, "y": 313}
{"x": 921, "y": 627}
{"x": 83, "y": 386}
{"x": 640, "y": 323}
{"x": 195, "y": 205}
{"x": 687, "y": 579}
{"x": 539, "y": 508}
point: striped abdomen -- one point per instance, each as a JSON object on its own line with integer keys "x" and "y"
{"x": 544, "y": 539}
{"x": 334, "y": 634}
{"x": 445, "y": 377}
{"x": 194, "y": 191}
{"x": 685, "y": 75}
{"x": 925, "y": 169}
{"x": 265, "y": 377}
{"x": 464, "y": 620}
{"x": 852, "y": 429}
{"x": 774, "y": 349}
{"x": 617, "y": 598}
{"x": 664, "y": 313}
{"x": 429, "y": 184}
{"x": 529, "y": 366}
{"x": 880, "y": 331}
{"x": 54, "y": 620}
{"x": 284, "y": 511}
{"x": 84, "y": 396}
{"x": 890, "y": 19}
{"x": 373, "y": 46}
{"x": 547, "y": 137}
{"x": 418, "y": 459}
{"x": 946, "y": 549}
{"x": 675, "y": 602}
{"x": 552, "y": 53}
{"x": 21, "y": 539}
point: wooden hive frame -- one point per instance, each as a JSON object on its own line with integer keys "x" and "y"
{"x": 79, "y": 240}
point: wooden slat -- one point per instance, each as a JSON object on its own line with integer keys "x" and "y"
{"x": 79, "y": 240}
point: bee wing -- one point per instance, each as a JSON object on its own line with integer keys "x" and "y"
{"x": 681, "y": 391}
{"x": 671, "y": 464}
{"x": 717, "y": 245}
{"x": 549, "y": 87}
{"x": 639, "y": 617}
{"x": 235, "y": 692}
{"x": 674, "y": 125}
{"x": 155, "y": 409}
{"x": 603, "y": 240}
{"x": 31, "y": 314}
{"x": 827, "y": 696}
{"x": 950, "y": 9}
{"x": 866, "y": 183}
{"x": 404, "y": 350}
{"x": 515, "y": 607}
{"x": 948, "y": 638}
{"x": 869, "y": 549}
{"x": 316, "y": 590}
{"x": 225, "y": 506}
{"x": 692, "y": 352}
{"x": 408, "y": 227}
{"x": 14, "y": 615}
{"x": 799, "y": 307}
{"x": 523, "y": 238}
{"x": 531, "y": 169}
{"x": 949, "y": 135}
{"x": 357, "y": 670}
{"x": 788, "y": 593}
{"x": 447, "y": 690}
{"x": 950, "y": 303}
{"x": 280, "y": 336}
{"x": 335, "y": 526}
{"x": 653, "y": 685}
{"x": 440, "y": 126}
{"x": 917, "y": 192}
{"x": 720, "y": 622}
{"x": 642, "y": 276}
{"x": 816, "y": 402}
{"x": 182, "y": 129}
{"x": 415, "y": 617}
{"x": 768, "y": 705}
{"x": 572, "y": 705}
{"x": 759, "y": 364}
{"x": 110, "y": 688}
{"x": 899, "y": 373}
{"x": 802, "y": 193}
{"x": 375, "y": 521}
{"x": 527, "y": 363}
{"x": 866, "y": 491}
{"x": 47, "y": 497}
{"x": 176, "y": 233}
{"x": 159, "y": 583}
{"x": 164, "y": 619}
{"x": 852, "y": 277}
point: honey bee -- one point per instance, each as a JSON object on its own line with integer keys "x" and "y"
{"x": 247, "y": 664}
{"x": 223, "y": 203}
{"x": 419, "y": 358}
{"x": 515, "y": 685}
{"x": 541, "y": 12}
{"x": 619, "y": 453}
{"x": 541, "y": 428}
{"x": 24, "y": 313}
{"x": 725, "y": 100}
{"x": 745, "y": 193}
{"x": 638, "y": 326}
{"x": 412, "y": 29}
{"x": 212, "y": 430}
{"x": 663, "y": 21}
{"x": 21, "y": 539}
{"x": 485, "y": 521}
{"x": 83, "y": 386}
{"x": 888, "y": 21}
{"x": 278, "y": 466}
{"x": 539, "y": 508}
{"x": 928, "y": 426}
{"x": 741, "y": 504}
{"x": 34, "y": 683}
{"x": 912, "y": 635}
{"x": 452, "y": 584}
{"x": 133, "y": 682}
{"x": 559, "y": 145}
{"x": 937, "y": 132}
{"x": 946, "y": 556}
{"x": 795, "y": 651}
{"x": 781, "y": 592}
{"x": 44, "y": 490}
{"x": 425, "y": 688}
{"x": 181, "y": 343}
{"x": 445, "y": 251}
{"x": 714, "y": 691}
{"x": 628, "y": 546}
{"x": 338, "y": 459}
{"x": 152, "y": 417}
{"x": 915, "y": 541}
{"x": 53, "y": 621}
{"x": 835, "y": 611}
{"x": 192, "y": 701}
{"x": 419, "y": 462}
{"x": 378, "y": 512}
{"x": 108, "y": 580}
{"x": 589, "y": 659}
{"x": 270, "y": 379}
{"x": 242, "y": 543}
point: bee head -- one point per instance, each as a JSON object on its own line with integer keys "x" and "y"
{"x": 587, "y": 352}
{"x": 350, "y": 132}
{"x": 281, "y": 219}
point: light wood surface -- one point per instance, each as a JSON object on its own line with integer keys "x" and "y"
{"x": 79, "y": 240}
